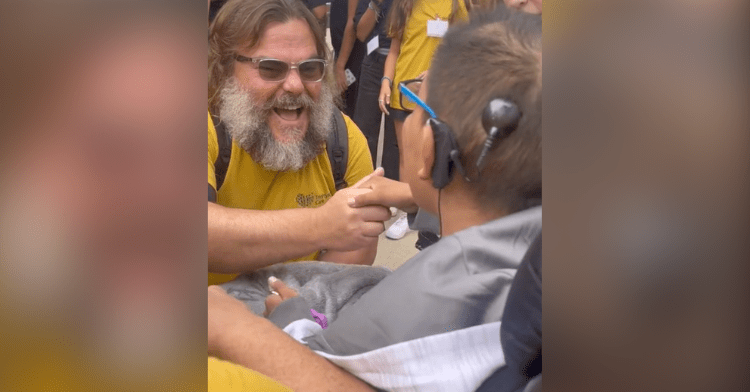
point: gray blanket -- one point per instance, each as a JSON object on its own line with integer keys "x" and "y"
{"x": 326, "y": 287}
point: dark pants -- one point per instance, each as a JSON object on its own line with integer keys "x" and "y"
{"x": 367, "y": 114}
{"x": 425, "y": 239}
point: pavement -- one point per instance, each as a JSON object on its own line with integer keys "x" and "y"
{"x": 393, "y": 253}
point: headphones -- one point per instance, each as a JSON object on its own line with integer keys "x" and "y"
{"x": 499, "y": 119}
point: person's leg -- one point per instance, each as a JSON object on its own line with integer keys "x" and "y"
{"x": 350, "y": 97}
{"x": 367, "y": 114}
{"x": 390, "y": 161}
{"x": 401, "y": 227}
{"x": 398, "y": 126}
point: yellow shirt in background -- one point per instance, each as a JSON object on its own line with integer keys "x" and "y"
{"x": 227, "y": 377}
{"x": 417, "y": 48}
{"x": 248, "y": 185}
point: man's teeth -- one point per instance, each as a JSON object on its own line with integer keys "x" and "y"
{"x": 289, "y": 113}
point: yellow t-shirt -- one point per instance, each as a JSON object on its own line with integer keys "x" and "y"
{"x": 227, "y": 377}
{"x": 248, "y": 185}
{"x": 417, "y": 48}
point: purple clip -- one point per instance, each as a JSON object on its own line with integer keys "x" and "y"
{"x": 319, "y": 318}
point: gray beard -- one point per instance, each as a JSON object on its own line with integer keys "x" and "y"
{"x": 246, "y": 122}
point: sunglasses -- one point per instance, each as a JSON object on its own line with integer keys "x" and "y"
{"x": 272, "y": 70}
{"x": 409, "y": 98}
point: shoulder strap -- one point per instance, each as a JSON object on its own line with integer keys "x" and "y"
{"x": 338, "y": 149}
{"x": 225, "y": 151}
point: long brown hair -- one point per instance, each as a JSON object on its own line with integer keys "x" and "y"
{"x": 239, "y": 24}
{"x": 401, "y": 11}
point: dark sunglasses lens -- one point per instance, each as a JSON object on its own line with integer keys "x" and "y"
{"x": 312, "y": 70}
{"x": 272, "y": 70}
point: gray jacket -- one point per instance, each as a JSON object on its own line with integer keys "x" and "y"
{"x": 461, "y": 281}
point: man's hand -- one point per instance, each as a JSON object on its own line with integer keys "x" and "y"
{"x": 283, "y": 293}
{"x": 225, "y": 314}
{"x": 346, "y": 228}
{"x": 385, "y": 192}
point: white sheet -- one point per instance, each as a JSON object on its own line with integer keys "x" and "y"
{"x": 453, "y": 361}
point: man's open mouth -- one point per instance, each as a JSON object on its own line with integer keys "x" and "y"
{"x": 289, "y": 113}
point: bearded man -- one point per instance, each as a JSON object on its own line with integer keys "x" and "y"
{"x": 271, "y": 89}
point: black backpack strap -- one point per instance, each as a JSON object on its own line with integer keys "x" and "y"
{"x": 337, "y": 146}
{"x": 225, "y": 151}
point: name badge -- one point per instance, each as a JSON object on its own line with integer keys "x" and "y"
{"x": 437, "y": 28}
{"x": 373, "y": 44}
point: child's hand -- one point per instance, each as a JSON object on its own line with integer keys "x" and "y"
{"x": 385, "y": 192}
{"x": 281, "y": 293}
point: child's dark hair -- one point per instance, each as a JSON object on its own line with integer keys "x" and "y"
{"x": 496, "y": 55}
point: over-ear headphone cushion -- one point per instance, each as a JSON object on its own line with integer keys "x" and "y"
{"x": 443, "y": 166}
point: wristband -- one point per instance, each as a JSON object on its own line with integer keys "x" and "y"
{"x": 388, "y": 79}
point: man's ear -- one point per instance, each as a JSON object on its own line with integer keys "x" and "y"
{"x": 428, "y": 153}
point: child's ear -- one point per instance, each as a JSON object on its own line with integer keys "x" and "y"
{"x": 428, "y": 153}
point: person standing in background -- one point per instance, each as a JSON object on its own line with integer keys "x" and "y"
{"x": 370, "y": 20}
{"x": 347, "y": 50}
{"x": 415, "y": 28}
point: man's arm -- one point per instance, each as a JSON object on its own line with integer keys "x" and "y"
{"x": 237, "y": 335}
{"x": 242, "y": 240}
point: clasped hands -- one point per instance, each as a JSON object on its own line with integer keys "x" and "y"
{"x": 353, "y": 217}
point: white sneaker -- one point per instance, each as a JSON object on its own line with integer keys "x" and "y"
{"x": 394, "y": 211}
{"x": 398, "y": 229}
